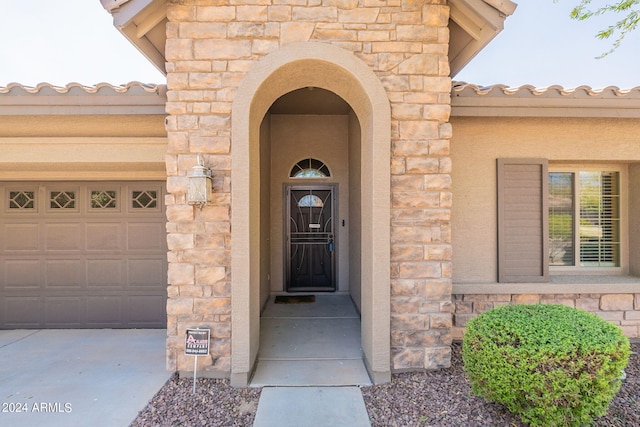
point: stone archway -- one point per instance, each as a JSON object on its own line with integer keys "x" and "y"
{"x": 329, "y": 67}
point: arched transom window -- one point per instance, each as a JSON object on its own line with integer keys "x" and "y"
{"x": 310, "y": 168}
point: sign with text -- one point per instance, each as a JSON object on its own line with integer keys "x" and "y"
{"x": 197, "y": 342}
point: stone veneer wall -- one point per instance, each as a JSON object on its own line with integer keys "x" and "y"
{"x": 211, "y": 45}
{"x": 620, "y": 309}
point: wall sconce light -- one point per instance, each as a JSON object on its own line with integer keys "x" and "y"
{"x": 200, "y": 181}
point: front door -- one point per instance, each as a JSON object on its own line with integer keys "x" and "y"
{"x": 310, "y": 238}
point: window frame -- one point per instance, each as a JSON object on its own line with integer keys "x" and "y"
{"x": 623, "y": 197}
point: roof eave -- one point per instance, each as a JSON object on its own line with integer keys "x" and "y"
{"x": 139, "y": 21}
{"x": 477, "y": 22}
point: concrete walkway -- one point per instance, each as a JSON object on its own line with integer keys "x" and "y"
{"x": 72, "y": 378}
{"x": 311, "y": 407}
{"x": 304, "y": 349}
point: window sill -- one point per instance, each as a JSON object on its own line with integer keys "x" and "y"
{"x": 564, "y": 284}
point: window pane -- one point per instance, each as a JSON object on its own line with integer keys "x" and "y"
{"x": 561, "y": 235}
{"x": 310, "y": 168}
{"x": 599, "y": 219}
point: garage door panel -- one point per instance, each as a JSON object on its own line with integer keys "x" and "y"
{"x": 146, "y": 310}
{"x": 64, "y": 312}
{"x": 21, "y": 237}
{"x": 82, "y": 255}
{"x": 145, "y": 236}
{"x": 103, "y": 237}
{"x": 64, "y": 273}
{"x": 147, "y": 272}
{"x": 22, "y": 312}
{"x": 63, "y": 237}
{"x": 104, "y": 311}
{"x": 21, "y": 274}
{"x": 105, "y": 273}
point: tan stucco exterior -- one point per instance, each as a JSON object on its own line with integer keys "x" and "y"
{"x": 476, "y": 145}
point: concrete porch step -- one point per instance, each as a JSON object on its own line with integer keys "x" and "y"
{"x": 327, "y": 372}
{"x": 311, "y": 407}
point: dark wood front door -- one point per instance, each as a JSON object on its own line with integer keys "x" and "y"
{"x": 310, "y": 238}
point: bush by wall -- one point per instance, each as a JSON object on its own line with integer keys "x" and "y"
{"x": 551, "y": 365}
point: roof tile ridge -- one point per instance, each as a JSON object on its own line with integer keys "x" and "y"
{"x": 89, "y": 89}
{"x": 479, "y": 90}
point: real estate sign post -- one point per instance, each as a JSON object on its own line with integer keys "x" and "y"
{"x": 197, "y": 344}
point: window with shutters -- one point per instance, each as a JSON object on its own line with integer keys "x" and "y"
{"x": 584, "y": 218}
{"x": 559, "y": 219}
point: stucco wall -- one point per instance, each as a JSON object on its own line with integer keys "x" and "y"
{"x": 87, "y": 147}
{"x": 477, "y": 143}
{"x": 294, "y": 138}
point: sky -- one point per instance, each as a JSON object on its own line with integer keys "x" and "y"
{"x": 66, "y": 41}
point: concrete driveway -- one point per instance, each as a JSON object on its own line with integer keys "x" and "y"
{"x": 100, "y": 377}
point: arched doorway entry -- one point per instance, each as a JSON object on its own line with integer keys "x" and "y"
{"x": 290, "y": 69}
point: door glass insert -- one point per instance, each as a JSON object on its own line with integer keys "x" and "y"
{"x": 310, "y": 239}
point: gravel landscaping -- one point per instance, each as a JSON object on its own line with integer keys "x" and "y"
{"x": 434, "y": 398}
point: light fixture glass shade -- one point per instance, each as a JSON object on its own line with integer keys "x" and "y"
{"x": 199, "y": 192}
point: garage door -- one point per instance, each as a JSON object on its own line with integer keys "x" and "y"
{"x": 82, "y": 255}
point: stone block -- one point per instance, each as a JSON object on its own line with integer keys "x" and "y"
{"x": 315, "y": 14}
{"x": 191, "y": 291}
{"x": 422, "y": 165}
{"x": 437, "y": 358}
{"x": 220, "y": 13}
{"x": 423, "y": 64}
{"x": 292, "y": 32}
{"x": 221, "y": 49}
{"x": 424, "y": 269}
{"x": 526, "y": 299}
{"x": 206, "y": 275}
{"x": 181, "y": 274}
{"x": 407, "y": 305}
{"x": 202, "y": 30}
{"x": 358, "y": 15}
{"x": 406, "y": 287}
{"x": 631, "y": 331}
{"x": 421, "y": 130}
{"x": 212, "y": 305}
{"x": 421, "y": 339}
{"x": 611, "y": 316}
{"x": 179, "y": 306}
{"x": 588, "y": 304}
{"x": 441, "y": 321}
{"x": 406, "y": 359}
{"x": 407, "y": 252}
{"x": 437, "y": 290}
{"x": 460, "y": 320}
{"x": 463, "y": 307}
{"x": 176, "y": 241}
{"x": 180, "y": 213}
{"x": 408, "y": 322}
{"x": 613, "y": 302}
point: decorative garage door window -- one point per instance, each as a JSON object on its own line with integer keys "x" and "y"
{"x": 22, "y": 200}
{"x": 309, "y": 169}
{"x": 144, "y": 199}
{"x": 104, "y": 199}
{"x": 62, "y": 199}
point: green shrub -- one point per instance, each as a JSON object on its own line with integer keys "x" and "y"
{"x": 551, "y": 365}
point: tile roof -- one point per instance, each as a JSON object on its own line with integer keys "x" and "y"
{"x": 74, "y": 98}
{"x": 553, "y": 101}
{"x": 77, "y": 88}
{"x": 466, "y": 89}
